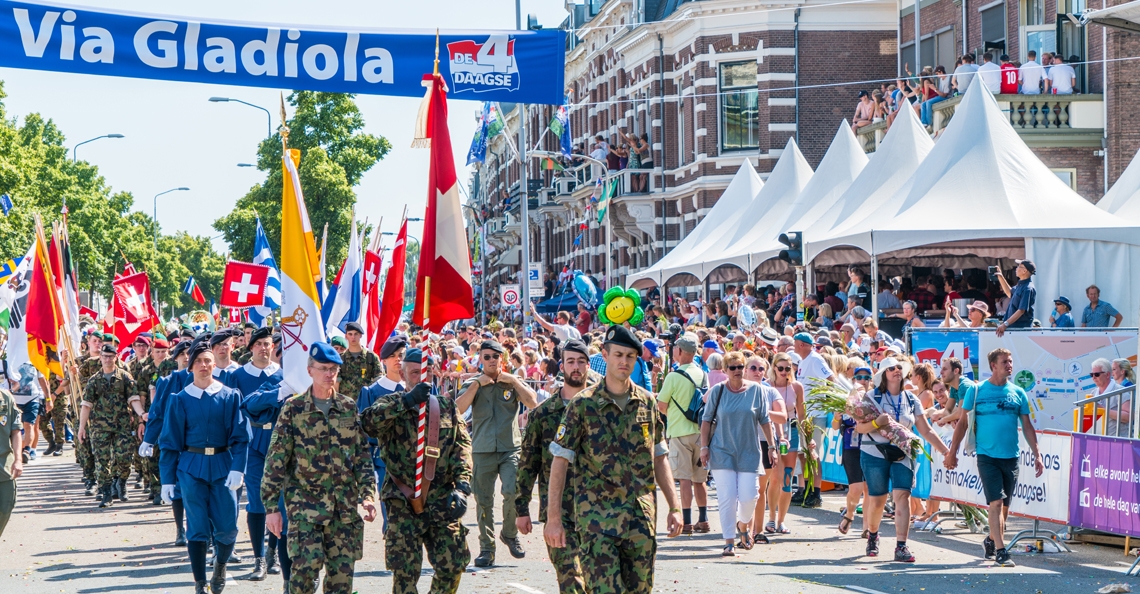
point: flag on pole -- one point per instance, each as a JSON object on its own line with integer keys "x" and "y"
{"x": 493, "y": 119}
{"x": 319, "y": 276}
{"x": 551, "y": 165}
{"x": 604, "y": 201}
{"x": 560, "y": 125}
{"x": 478, "y": 151}
{"x": 393, "y": 302}
{"x": 5, "y": 203}
{"x": 68, "y": 288}
{"x": 133, "y": 310}
{"x": 191, "y": 288}
{"x": 342, "y": 303}
{"x": 301, "y": 324}
{"x": 443, "y": 282}
{"x": 264, "y": 256}
{"x": 370, "y": 304}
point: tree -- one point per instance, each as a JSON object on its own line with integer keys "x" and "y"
{"x": 334, "y": 156}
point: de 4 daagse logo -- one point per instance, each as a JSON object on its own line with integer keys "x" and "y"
{"x": 486, "y": 66}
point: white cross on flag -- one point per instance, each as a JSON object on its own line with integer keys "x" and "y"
{"x": 244, "y": 284}
{"x": 133, "y": 292}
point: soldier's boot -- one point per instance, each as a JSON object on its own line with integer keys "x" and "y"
{"x": 88, "y": 487}
{"x": 200, "y": 588}
{"x": 180, "y": 538}
{"x": 139, "y": 480}
{"x": 485, "y": 559}
{"x": 123, "y": 490}
{"x": 105, "y": 497}
{"x": 514, "y": 546}
{"x": 218, "y": 580}
{"x": 271, "y": 566}
{"x": 258, "y": 570}
{"x": 157, "y": 499}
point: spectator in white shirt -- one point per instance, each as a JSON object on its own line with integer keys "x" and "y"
{"x": 1031, "y": 74}
{"x": 990, "y": 73}
{"x": 562, "y": 329}
{"x": 964, "y": 74}
{"x": 1062, "y": 77}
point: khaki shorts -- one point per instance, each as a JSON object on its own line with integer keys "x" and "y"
{"x": 684, "y": 458}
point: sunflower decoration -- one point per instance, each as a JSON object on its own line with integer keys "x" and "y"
{"x": 620, "y": 306}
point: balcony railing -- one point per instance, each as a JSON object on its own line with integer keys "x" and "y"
{"x": 1035, "y": 117}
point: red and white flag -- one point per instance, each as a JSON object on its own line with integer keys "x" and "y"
{"x": 244, "y": 284}
{"x": 370, "y": 308}
{"x": 443, "y": 282}
{"x": 393, "y": 302}
{"x": 132, "y": 291}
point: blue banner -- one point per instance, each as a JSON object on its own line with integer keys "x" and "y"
{"x": 512, "y": 66}
{"x": 831, "y": 454}
{"x": 933, "y": 346}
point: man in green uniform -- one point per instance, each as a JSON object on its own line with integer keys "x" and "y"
{"x": 53, "y": 421}
{"x": 361, "y": 366}
{"x": 107, "y": 404}
{"x": 88, "y": 367}
{"x": 11, "y": 467}
{"x": 393, "y": 421}
{"x": 494, "y": 398}
{"x": 613, "y": 435}
{"x": 318, "y": 457}
{"x": 135, "y": 366}
{"x": 534, "y": 465}
{"x": 241, "y": 352}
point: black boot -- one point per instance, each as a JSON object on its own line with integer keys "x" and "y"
{"x": 200, "y": 588}
{"x": 180, "y": 538}
{"x": 123, "y": 490}
{"x": 218, "y": 580}
{"x": 139, "y": 481}
{"x": 271, "y": 566}
{"x": 258, "y": 570}
{"x": 105, "y": 497}
{"x": 88, "y": 487}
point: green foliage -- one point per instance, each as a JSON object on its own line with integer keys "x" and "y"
{"x": 334, "y": 156}
{"x": 36, "y": 171}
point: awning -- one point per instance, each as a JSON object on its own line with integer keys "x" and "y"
{"x": 1122, "y": 16}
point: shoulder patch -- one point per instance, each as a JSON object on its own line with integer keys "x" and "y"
{"x": 561, "y": 432}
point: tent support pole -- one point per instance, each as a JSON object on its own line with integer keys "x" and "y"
{"x": 705, "y": 300}
{"x": 799, "y": 293}
{"x": 875, "y": 286}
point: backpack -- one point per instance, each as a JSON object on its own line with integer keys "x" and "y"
{"x": 696, "y": 408}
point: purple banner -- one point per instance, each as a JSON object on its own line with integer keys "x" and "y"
{"x": 1104, "y": 486}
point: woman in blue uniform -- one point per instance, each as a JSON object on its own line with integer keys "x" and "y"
{"x": 203, "y": 449}
{"x": 154, "y": 430}
{"x": 247, "y": 379}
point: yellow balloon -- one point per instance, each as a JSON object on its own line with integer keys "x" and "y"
{"x": 620, "y": 309}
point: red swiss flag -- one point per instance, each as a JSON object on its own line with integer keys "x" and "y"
{"x": 244, "y": 284}
{"x": 133, "y": 292}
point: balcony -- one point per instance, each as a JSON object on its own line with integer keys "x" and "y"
{"x": 1040, "y": 120}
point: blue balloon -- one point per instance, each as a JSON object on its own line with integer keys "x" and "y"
{"x": 584, "y": 288}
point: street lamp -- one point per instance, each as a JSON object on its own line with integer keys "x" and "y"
{"x": 268, "y": 115}
{"x": 76, "y": 147}
{"x": 605, "y": 180}
{"x": 156, "y": 214}
{"x": 246, "y": 165}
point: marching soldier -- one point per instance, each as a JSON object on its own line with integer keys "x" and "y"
{"x": 88, "y": 367}
{"x": 145, "y": 385}
{"x": 107, "y": 404}
{"x": 318, "y": 458}
{"x": 138, "y": 362}
{"x": 243, "y": 343}
{"x": 433, "y": 519}
{"x": 53, "y": 421}
{"x": 391, "y": 353}
{"x": 494, "y": 398}
{"x": 180, "y": 356}
{"x": 361, "y": 366}
{"x": 534, "y": 466}
{"x": 613, "y": 435}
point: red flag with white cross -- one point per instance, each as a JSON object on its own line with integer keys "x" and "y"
{"x": 133, "y": 292}
{"x": 244, "y": 284}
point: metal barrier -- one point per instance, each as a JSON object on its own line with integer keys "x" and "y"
{"x": 1087, "y": 417}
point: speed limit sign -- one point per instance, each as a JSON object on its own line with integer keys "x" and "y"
{"x": 509, "y": 295}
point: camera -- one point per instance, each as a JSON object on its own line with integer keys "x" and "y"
{"x": 993, "y": 271}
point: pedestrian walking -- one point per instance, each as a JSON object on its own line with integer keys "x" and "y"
{"x": 431, "y": 520}
{"x": 105, "y": 417}
{"x": 11, "y": 466}
{"x": 614, "y": 436}
{"x": 684, "y": 383}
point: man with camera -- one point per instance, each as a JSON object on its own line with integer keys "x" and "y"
{"x": 1022, "y": 297}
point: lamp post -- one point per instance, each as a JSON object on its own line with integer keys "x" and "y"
{"x": 605, "y": 180}
{"x": 268, "y": 115}
{"x": 76, "y": 147}
{"x": 156, "y": 214}
{"x": 246, "y": 165}
{"x": 482, "y": 262}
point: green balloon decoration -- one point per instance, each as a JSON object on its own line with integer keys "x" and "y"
{"x": 620, "y": 306}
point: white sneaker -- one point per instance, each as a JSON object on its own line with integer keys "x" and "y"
{"x": 33, "y": 455}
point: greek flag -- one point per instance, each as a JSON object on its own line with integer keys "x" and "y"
{"x": 263, "y": 255}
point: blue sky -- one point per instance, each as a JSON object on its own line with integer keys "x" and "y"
{"x": 176, "y": 137}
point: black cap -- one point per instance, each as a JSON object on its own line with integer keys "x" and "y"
{"x": 491, "y": 345}
{"x": 413, "y": 355}
{"x": 621, "y": 336}
{"x": 351, "y": 326}
{"x": 187, "y": 333}
{"x": 250, "y": 325}
{"x": 260, "y": 333}
{"x": 196, "y": 350}
{"x": 107, "y": 350}
{"x": 575, "y": 346}
{"x": 392, "y": 346}
{"x": 219, "y": 337}
{"x": 862, "y": 94}
{"x": 1028, "y": 264}
{"x": 179, "y": 348}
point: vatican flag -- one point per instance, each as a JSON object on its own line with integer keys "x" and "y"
{"x": 300, "y": 307}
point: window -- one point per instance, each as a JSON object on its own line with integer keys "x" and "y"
{"x": 680, "y": 132}
{"x": 1069, "y": 176}
{"x": 945, "y": 49}
{"x": 993, "y": 27}
{"x": 1036, "y": 35}
{"x": 739, "y": 107}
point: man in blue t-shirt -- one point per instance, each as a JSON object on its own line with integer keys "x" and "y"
{"x": 998, "y": 405}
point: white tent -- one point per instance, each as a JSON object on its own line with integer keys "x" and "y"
{"x": 1123, "y": 199}
{"x": 897, "y": 158}
{"x": 788, "y": 178}
{"x": 737, "y": 197}
{"x": 1123, "y": 16}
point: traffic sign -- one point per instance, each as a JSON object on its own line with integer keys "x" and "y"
{"x": 534, "y": 279}
{"x": 509, "y": 295}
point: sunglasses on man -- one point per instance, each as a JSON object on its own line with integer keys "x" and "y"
{"x": 491, "y": 357}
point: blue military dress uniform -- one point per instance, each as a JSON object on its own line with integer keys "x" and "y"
{"x": 262, "y": 408}
{"x": 248, "y": 379}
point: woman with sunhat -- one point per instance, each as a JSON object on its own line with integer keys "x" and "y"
{"x": 1062, "y": 316}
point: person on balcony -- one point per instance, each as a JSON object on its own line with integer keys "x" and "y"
{"x": 1062, "y": 78}
{"x": 864, "y": 111}
{"x": 990, "y": 73}
{"x": 936, "y": 91}
{"x": 1031, "y": 74}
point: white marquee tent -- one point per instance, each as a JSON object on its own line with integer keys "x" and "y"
{"x": 1123, "y": 199}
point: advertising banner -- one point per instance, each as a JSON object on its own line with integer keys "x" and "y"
{"x": 513, "y": 66}
{"x": 936, "y": 345}
{"x": 1105, "y": 484}
{"x": 831, "y": 455}
{"x": 1053, "y": 366}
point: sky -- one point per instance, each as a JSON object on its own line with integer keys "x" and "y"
{"x": 175, "y": 137}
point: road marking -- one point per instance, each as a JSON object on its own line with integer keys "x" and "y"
{"x": 864, "y": 590}
{"x": 527, "y": 589}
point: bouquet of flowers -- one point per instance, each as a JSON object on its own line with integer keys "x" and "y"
{"x": 861, "y": 408}
{"x": 824, "y": 397}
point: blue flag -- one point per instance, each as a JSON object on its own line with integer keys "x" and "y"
{"x": 478, "y": 151}
{"x": 5, "y": 203}
{"x": 264, "y": 256}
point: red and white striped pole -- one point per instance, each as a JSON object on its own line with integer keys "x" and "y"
{"x": 420, "y": 450}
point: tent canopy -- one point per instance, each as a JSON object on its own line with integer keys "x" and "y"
{"x": 1123, "y": 199}
{"x": 1122, "y": 16}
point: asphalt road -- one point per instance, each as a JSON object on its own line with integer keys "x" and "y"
{"x": 58, "y": 541}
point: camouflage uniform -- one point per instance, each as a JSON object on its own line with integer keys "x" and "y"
{"x": 534, "y": 466}
{"x": 135, "y": 368}
{"x": 323, "y": 466}
{"x": 144, "y": 381}
{"x": 241, "y": 355}
{"x": 359, "y": 370}
{"x": 394, "y": 427}
{"x": 612, "y": 449}
{"x": 166, "y": 368}
{"x": 58, "y": 415}
{"x": 110, "y": 424}
{"x": 88, "y": 366}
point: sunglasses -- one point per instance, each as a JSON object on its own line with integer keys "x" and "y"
{"x": 1097, "y": 373}
{"x": 490, "y": 357}
{"x": 735, "y": 367}
{"x": 863, "y": 378}
{"x": 895, "y": 368}
{"x": 783, "y": 369}
{"x": 757, "y": 369}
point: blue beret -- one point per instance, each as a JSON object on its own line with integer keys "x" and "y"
{"x": 322, "y": 352}
{"x": 413, "y": 355}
